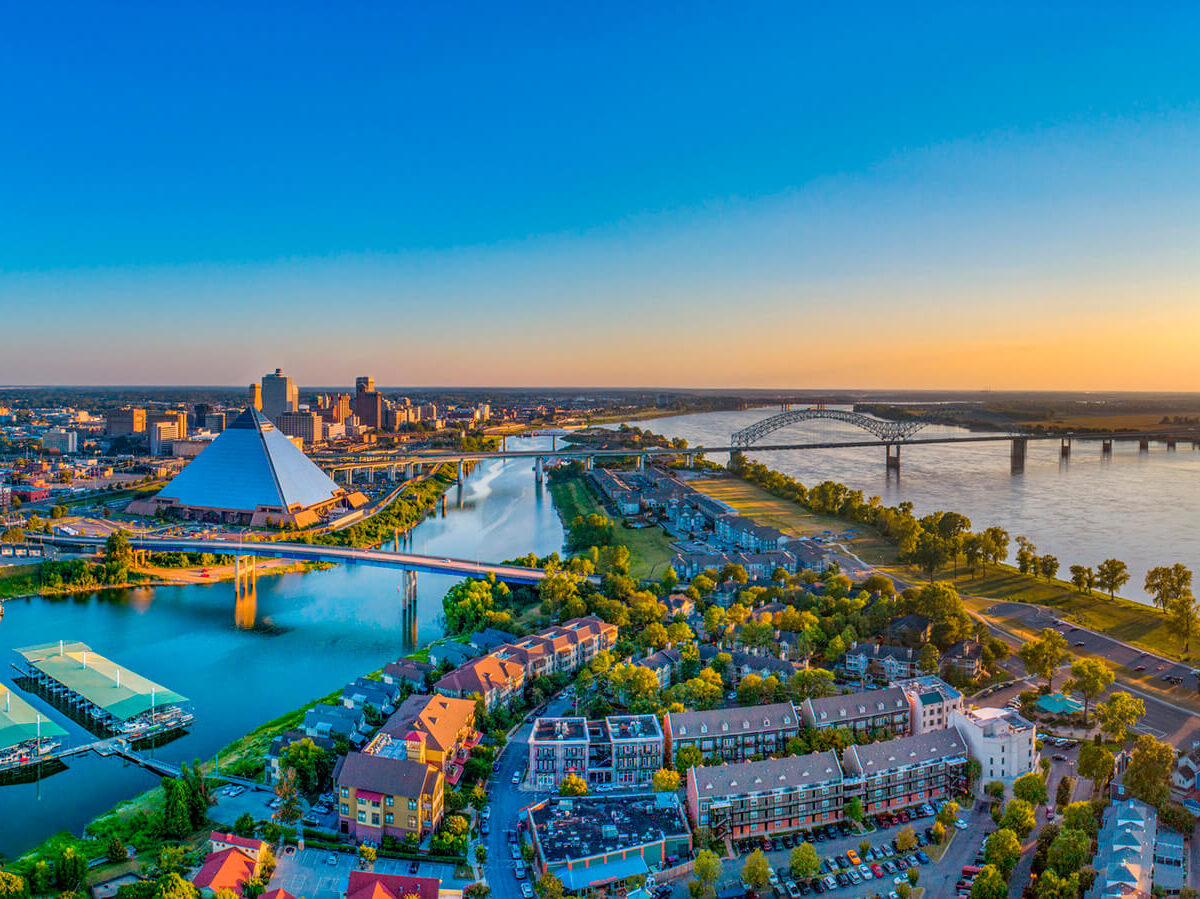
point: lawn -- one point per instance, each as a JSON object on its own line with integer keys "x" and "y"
{"x": 751, "y": 500}
{"x": 649, "y": 548}
{"x": 16, "y": 580}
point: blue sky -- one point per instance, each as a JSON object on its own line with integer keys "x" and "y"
{"x": 607, "y": 194}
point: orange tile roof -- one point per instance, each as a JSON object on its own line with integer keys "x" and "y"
{"x": 369, "y": 885}
{"x": 227, "y": 869}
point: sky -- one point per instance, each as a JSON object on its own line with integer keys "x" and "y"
{"x": 789, "y": 195}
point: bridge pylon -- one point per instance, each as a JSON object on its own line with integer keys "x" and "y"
{"x": 893, "y": 458}
{"x": 1017, "y": 457}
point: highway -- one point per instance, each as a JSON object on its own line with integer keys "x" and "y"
{"x": 305, "y": 552}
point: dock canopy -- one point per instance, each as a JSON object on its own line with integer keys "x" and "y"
{"x": 19, "y": 722}
{"x": 113, "y": 688}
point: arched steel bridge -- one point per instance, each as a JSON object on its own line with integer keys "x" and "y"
{"x": 886, "y": 431}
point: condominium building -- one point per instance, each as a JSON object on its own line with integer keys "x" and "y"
{"x": 387, "y": 795}
{"x": 866, "y": 711}
{"x": 882, "y": 662}
{"x": 931, "y": 703}
{"x": 907, "y": 771}
{"x": 766, "y": 797}
{"x": 1003, "y": 741}
{"x": 624, "y": 750}
{"x": 733, "y": 735}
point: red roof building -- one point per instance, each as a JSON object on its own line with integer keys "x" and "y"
{"x": 369, "y": 885}
{"x": 228, "y": 869}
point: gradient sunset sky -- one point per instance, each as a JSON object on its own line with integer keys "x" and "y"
{"x": 708, "y": 195}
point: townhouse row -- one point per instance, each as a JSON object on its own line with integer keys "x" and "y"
{"x": 779, "y": 795}
{"x": 620, "y": 750}
{"x": 500, "y": 676}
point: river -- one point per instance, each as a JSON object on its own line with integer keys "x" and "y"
{"x": 1133, "y": 506}
{"x": 306, "y": 636}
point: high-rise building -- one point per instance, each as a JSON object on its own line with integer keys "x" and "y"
{"x": 256, "y": 397}
{"x": 125, "y": 422}
{"x": 368, "y": 404}
{"x": 215, "y": 422}
{"x": 177, "y": 416}
{"x": 305, "y": 425}
{"x": 63, "y": 441}
{"x": 162, "y": 434}
{"x": 339, "y": 407}
{"x": 279, "y": 395}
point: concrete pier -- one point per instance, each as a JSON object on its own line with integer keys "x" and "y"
{"x": 1064, "y": 448}
{"x": 893, "y": 458}
{"x": 1020, "y": 446}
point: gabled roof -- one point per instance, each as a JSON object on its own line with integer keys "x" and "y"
{"x": 251, "y": 464}
{"x": 369, "y": 885}
{"x": 227, "y": 869}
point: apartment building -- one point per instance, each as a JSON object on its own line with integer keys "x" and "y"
{"x": 624, "y": 750}
{"x": 906, "y": 771}
{"x": 433, "y": 729}
{"x": 931, "y": 703}
{"x": 387, "y": 794}
{"x": 496, "y": 681}
{"x": 867, "y": 711}
{"x": 881, "y": 662}
{"x": 733, "y": 735}
{"x": 1003, "y": 741}
{"x": 772, "y": 796}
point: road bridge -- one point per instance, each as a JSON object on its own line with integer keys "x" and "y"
{"x": 312, "y": 552}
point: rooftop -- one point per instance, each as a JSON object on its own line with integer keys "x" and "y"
{"x": 102, "y": 682}
{"x": 778, "y": 715}
{"x": 937, "y": 745}
{"x": 568, "y": 829}
{"x": 560, "y": 729}
{"x": 767, "y": 775}
{"x": 19, "y": 721}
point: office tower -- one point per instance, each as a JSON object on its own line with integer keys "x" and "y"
{"x": 215, "y": 422}
{"x": 256, "y": 397}
{"x": 177, "y": 417}
{"x": 279, "y": 395}
{"x": 368, "y": 404}
{"x": 305, "y": 425}
{"x": 125, "y": 422}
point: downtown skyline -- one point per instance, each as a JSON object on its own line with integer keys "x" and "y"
{"x": 761, "y": 198}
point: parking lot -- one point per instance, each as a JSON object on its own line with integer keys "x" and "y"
{"x": 885, "y": 867}
{"x": 320, "y": 874}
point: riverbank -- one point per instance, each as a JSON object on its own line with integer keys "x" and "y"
{"x": 649, "y": 548}
{"x": 1138, "y": 624}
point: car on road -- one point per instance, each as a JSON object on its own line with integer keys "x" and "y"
{"x": 332, "y": 859}
{"x": 495, "y": 767}
{"x": 526, "y": 891}
{"x": 792, "y": 890}
{"x": 516, "y": 778}
{"x": 414, "y": 867}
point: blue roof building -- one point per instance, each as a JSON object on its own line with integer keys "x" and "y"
{"x": 252, "y": 474}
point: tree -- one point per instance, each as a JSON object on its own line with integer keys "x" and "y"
{"x": 456, "y": 825}
{"x": 1097, "y": 763}
{"x": 289, "y": 810}
{"x": 1031, "y": 788}
{"x": 989, "y": 884}
{"x": 115, "y": 851}
{"x": 367, "y": 855}
{"x": 1183, "y": 615}
{"x": 914, "y": 874}
{"x": 906, "y": 839}
{"x": 253, "y": 888}
{"x": 756, "y": 872}
{"x": 853, "y": 810}
{"x": 245, "y": 825}
{"x": 1043, "y": 655}
{"x": 480, "y": 853}
{"x": 170, "y": 860}
{"x": 1081, "y": 816}
{"x": 176, "y": 815}
{"x": 706, "y": 871}
{"x": 1082, "y": 578}
{"x": 117, "y": 548}
{"x": 939, "y": 832}
{"x": 1118, "y": 714}
{"x": 1090, "y": 677}
{"x": 688, "y": 757}
{"x": 173, "y": 886}
{"x": 996, "y": 542}
{"x": 1002, "y": 850}
{"x": 1069, "y": 851}
{"x": 1112, "y": 575}
{"x": 70, "y": 869}
{"x": 1051, "y": 886}
{"x": 1019, "y": 818}
{"x": 313, "y": 765}
{"x": 1168, "y": 584}
{"x": 948, "y": 812}
{"x": 573, "y": 785}
{"x": 1048, "y": 566}
{"x": 929, "y": 659}
{"x": 805, "y": 861}
{"x": 550, "y": 887}
{"x": 665, "y": 781}
{"x": 1148, "y": 776}
{"x": 13, "y": 886}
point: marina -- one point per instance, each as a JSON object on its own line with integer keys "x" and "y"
{"x": 27, "y": 737}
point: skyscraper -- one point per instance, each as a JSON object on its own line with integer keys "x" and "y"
{"x": 368, "y": 404}
{"x": 279, "y": 395}
{"x": 256, "y": 396}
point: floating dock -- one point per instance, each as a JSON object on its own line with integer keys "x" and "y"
{"x": 103, "y": 696}
{"x": 27, "y": 737}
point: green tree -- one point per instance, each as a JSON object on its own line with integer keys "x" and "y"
{"x": 367, "y": 854}
{"x": 706, "y": 871}
{"x": 1082, "y": 578}
{"x": 665, "y": 781}
{"x": 13, "y": 886}
{"x": 1096, "y": 763}
{"x": 1148, "y": 776}
{"x": 173, "y": 886}
{"x": 1080, "y": 816}
{"x": 170, "y": 860}
{"x": 1002, "y": 851}
{"x": 313, "y": 764}
{"x": 245, "y": 825}
{"x": 1019, "y": 818}
{"x": 688, "y": 757}
{"x": 929, "y": 659}
{"x": 176, "y": 814}
{"x": 117, "y": 548}
{"x": 550, "y": 887}
{"x": 1048, "y": 566}
{"x": 1031, "y": 787}
{"x": 1112, "y": 575}
{"x": 573, "y": 785}
{"x": 1118, "y": 714}
{"x": 989, "y": 884}
{"x": 70, "y": 869}
{"x": 996, "y": 543}
{"x": 1069, "y": 852}
{"x": 853, "y": 810}
{"x": 805, "y": 861}
{"x": 1090, "y": 677}
{"x": 906, "y": 839}
{"x": 115, "y": 851}
{"x": 1043, "y": 655}
{"x": 1051, "y": 886}
{"x": 288, "y": 812}
{"x": 756, "y": 872}
{"x": 948, "y": 812}
{"x": 1168, "y": 584}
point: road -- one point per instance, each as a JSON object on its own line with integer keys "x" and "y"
{"x": 305, "y": 552}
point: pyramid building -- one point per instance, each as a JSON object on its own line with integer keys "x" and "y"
{"x": 252, "y": 474}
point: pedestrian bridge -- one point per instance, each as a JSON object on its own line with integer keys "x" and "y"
{"x": 312, "y": 552}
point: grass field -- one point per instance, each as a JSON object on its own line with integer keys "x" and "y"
{"x": 649, "y": 548}
{"x": 16, "y": 580}
{"x": 752, "y": 500}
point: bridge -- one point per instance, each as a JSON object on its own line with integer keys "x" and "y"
{"x": 312, "y": 552}
{"x": 886, "y": 431}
